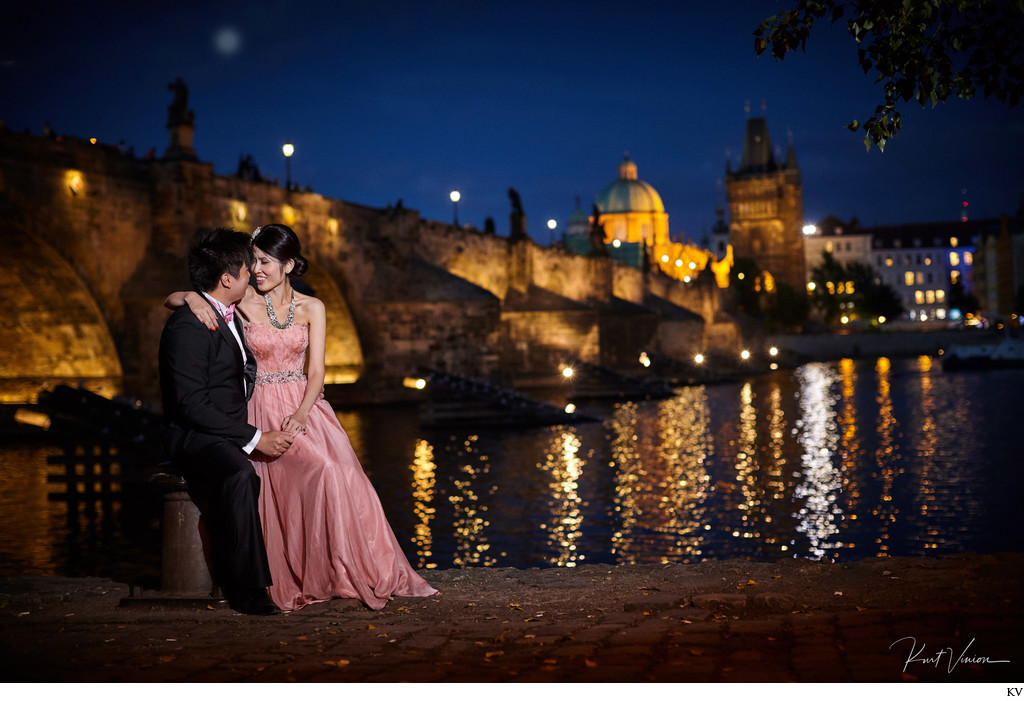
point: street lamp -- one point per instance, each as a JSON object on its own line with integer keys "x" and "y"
{"x": 551, "y": 227}
{"x": 456, "y": 196}
{"x": 288, "y": 150}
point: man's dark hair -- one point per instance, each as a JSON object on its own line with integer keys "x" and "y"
{"x": 213, "y": 252}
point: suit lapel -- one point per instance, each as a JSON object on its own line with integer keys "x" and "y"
{"x": 229, "y": 338}
{"x": 250, "y": 360}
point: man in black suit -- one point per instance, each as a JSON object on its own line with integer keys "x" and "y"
{"x": 206, "y": 378}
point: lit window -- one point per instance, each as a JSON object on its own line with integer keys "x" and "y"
{"x": 968, "y": 258}
{"x": 828, "y": 246}
{"x": 940, "y": 313}
{"x": 954, "y": 258}
{"x": 888, "y": 261}
{"x": 940, "y": 295}
{"x": 952, "y": 241}
{"x": 913, "y": 314}
{"x": 954, "y": 276}
{"x": 908, "y": 278}
{"x": 920, "y": 278}
{"x": 928, "y": 260}
{"x": 919, "y": 297}
{"x": 929, "y": 296}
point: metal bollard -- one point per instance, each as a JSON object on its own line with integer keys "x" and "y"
{"x": 184, "y": 571}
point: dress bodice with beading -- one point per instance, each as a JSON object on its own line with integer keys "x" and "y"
{"x": 277, "y": 351}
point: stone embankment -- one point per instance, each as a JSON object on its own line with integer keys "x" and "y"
{"x": 952, "y": 618}
{"x": 871, "y": 345}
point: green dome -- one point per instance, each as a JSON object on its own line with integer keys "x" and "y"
{"x": 628, "y": 194}
{"x": 579, "y": 217}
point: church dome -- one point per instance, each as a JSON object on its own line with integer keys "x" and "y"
{"x": 629, "y": 194}
{"x": 579, "y": 222}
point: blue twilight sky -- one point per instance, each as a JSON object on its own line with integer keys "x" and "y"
{"x": 386, "y": 100}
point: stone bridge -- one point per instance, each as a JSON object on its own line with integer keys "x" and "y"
{"x": 96, "y": 238}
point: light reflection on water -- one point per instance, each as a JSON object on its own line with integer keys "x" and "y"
{"x": 843, "y": 460}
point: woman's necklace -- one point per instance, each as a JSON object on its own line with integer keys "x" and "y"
{"x": 273, "y": 316}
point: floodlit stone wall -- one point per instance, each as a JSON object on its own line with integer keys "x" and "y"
{"x": 103, "y": 237}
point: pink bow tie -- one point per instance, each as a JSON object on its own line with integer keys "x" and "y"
{"x": 229, "y": 313}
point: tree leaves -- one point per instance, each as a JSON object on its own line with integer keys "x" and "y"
{"x": 927, "y": 51}
{"x": 855, "y": 285}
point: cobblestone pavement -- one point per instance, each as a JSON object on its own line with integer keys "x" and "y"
{"x": 881, "y": 620}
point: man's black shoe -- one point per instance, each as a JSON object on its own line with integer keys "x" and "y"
{"x": 252, "y": 602}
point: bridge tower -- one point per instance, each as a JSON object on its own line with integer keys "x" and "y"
{"x": 766, "y": 208}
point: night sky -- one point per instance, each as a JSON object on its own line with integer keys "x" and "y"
{"x": 410, "y": 100}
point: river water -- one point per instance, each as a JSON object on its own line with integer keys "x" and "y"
{"x": 844, "y": 460}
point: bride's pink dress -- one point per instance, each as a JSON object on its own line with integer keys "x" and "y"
{"x": 325, "y": 531}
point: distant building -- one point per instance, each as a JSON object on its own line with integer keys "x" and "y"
{"x": 718, "y": 243}
{"x": 636, "y": 232}
{"x": 847, "y": 243}
{"x": 766, "y": 208}
{"x": 631, "y": 210}
{"x": 999, "y": 267}
{"x": 922, "y": 262}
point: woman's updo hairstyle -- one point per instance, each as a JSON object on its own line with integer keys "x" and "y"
{"x": 280, "y": 242}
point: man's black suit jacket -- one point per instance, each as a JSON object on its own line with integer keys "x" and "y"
{"x": 201, "y": 378}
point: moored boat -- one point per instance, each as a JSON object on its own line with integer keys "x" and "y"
{"x": 1005, "y": 353}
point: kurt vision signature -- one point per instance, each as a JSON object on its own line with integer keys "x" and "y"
{"x": 943, "y": 654}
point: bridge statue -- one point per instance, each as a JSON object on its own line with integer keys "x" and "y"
{"x": 178, "y": 112}
{"x": 180, "y": 124}
{"x": 598, "y": 249}
{"x": 517, "y": 219}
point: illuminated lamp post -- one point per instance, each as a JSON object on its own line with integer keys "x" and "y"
{"x": 455, "y": 196}
{"x": 551, "y": 227}
{"x": 288, "y": 150}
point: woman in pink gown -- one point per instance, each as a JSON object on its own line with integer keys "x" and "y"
{"x": 323, "y": 524}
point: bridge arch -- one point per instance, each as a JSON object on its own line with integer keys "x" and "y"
{"x": 56, "y": 331}
{"x": 344, "y": 355}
